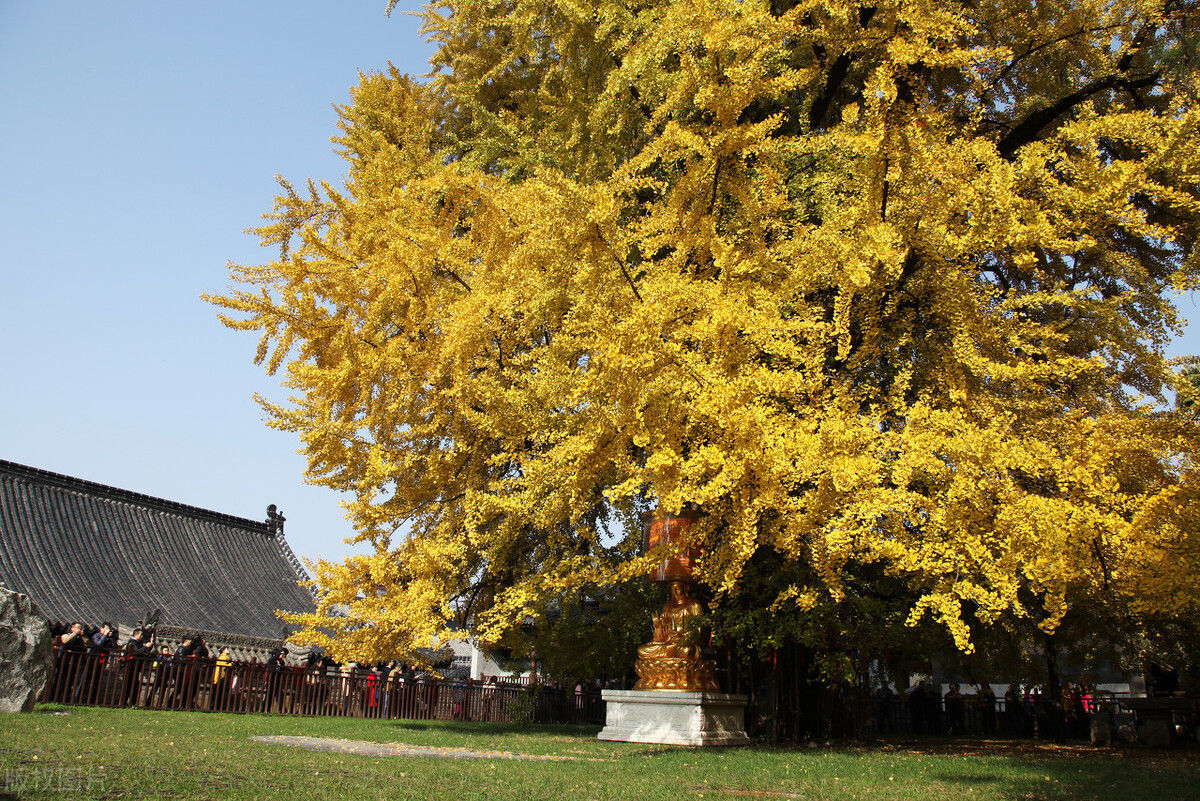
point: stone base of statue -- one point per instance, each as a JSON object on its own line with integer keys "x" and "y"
{"x": 674, "y": 717}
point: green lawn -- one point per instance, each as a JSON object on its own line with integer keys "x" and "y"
{"x": 106, "y": 753}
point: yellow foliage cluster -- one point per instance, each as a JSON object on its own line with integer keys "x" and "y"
{"x": 880, "y": 284}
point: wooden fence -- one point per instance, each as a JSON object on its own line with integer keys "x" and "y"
{"x": 166, "y": 683}
{"x": 248, "y": 687}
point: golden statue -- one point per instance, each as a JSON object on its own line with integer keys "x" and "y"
{"x": 672, "y": 660}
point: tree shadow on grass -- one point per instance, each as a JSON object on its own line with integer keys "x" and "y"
{"x": 1029, "y": 780}
{"x": 1029, "y": 771}
{"x": 1014, "y": 770}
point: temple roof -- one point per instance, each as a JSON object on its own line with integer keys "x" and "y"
{"x": 88, "y": 552}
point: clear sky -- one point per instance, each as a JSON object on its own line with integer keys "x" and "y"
{"x": 137, "y": 142}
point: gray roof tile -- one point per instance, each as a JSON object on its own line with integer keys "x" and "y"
{"x": 89, "y": 552}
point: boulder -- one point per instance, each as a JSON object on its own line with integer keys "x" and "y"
{"x": 26, "y": 653}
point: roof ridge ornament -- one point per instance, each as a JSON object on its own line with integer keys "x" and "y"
{"x": 275, "y": 520}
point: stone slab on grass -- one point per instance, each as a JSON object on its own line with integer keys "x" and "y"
{"x": 364, "y": 748}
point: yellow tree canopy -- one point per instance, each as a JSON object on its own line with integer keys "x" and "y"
{"x": 880, "y": 285}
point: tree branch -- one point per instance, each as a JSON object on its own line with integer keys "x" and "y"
{"x": 629, "y": 278}
{"x": 447, "y": 272}
{"x": 836, "y": 76}
{"x": 1027, "y": 130}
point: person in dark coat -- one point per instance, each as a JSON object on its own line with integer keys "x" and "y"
{"x": 159, "y": 695}
{"x": 70, "y": 655}
{"x": 199, "y": 664}
{"x": 178, "y": 671}
{"x": 188, "y": 670}
{"x": 135, "y": 658}
{"x": 313, "y": 682}
{"x": 276, "y": 671}
{"x": 986, "y": 700}
{"x": 955, "y": 707}
{"x": 915, "y": 701}
{"x": 1013, "y": 725}
{"x": 100, "y": 643}
{"x": 882, "y": 702}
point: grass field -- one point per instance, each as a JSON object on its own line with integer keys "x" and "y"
{"x": 74, "y": 752}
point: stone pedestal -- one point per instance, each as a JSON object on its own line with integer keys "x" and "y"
{"x": 675, "y": 717}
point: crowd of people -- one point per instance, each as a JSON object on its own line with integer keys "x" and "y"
{"x": 1019, "y": 712}
{"x": 142, "y": 672}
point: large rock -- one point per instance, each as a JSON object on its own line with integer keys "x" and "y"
{"x": 26, "y": 653}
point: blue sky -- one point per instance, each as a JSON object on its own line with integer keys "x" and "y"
{"x": 137, "y": 142}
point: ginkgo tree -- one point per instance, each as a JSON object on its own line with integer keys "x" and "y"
{"x": 876, "y": 286}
